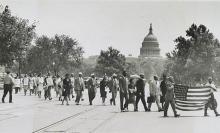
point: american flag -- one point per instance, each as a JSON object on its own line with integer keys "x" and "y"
{"x": 191, "y": 98}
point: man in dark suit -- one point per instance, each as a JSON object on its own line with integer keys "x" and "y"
{"x": 163, "y": 89}
{"x": 123, "y": 85}
{"x": 92, "y": 85}
{"x": 140, "y": 85}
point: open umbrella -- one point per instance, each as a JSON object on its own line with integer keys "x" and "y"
{"x": 135, "y": 76}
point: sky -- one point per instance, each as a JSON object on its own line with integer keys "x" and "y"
{"x": 122, "y": 24}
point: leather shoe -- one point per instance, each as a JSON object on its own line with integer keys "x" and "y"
{"x": 177, "y": 115}
{"x": 217, "y": 115}
{"x": 206, "y": 115}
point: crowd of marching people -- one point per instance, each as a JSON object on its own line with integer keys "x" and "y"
{"x": 131, "y": 89}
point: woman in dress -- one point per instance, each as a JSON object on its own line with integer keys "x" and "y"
{"x": 58, "y": 87}
{"x": 40, "y": 85}
{"x": 17, "y": 84}
{"x": 131, "y": 90}
{"x": 31, "y": 84}
{"x": 25, "y": 83}
{"x": 103, "y": 85}
{"x": 66, "y": 88}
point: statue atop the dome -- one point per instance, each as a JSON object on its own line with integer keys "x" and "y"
{"x": 151, "y": 29}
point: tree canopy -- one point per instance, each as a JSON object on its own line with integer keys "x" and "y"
{"x": 60, "y": 52}
{"x": 110, "y": 61}
{"x": 16, "y": 35}
{"x": 194, "y": 55}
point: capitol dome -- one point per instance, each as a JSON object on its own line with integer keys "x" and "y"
{"x": 150, "y": 45}
{"x": 150, "y": 37}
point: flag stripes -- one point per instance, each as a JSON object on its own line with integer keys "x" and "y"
{"x": 191, "y": 98}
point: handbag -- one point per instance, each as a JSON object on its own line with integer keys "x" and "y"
{"x": 150, "y": 99}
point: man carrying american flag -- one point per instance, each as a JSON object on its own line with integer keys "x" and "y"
{"x": 212, "y": 101}
{"x": 169, "y": 97}
{"x": 195, "y": 98}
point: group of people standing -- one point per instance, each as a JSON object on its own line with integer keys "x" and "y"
{"x": 131, "y": 90}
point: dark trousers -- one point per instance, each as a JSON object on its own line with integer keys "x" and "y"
{"x": 142, "y": 97}
{"x": 47, "y": 93}
{"x": 162, "y": 100}
{"x": 78, "y": 95}
{"x": 91, "y": 94}
{"x": 211, "y": 101}
{"x": 114, "y": 94}
{"x": 166, "y": 106}
{"x": 35, "y": 90}
{"x": 17, "y": 89}
{"x": 7, "y": 88}
{"x": 122, "y": 97}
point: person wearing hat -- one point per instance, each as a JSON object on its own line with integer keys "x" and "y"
{"x": 163, "y": 89}
{"x": 31, "y": 84}
{"x": 114, "y": 87}
{"x": 123, "y": 85}
{"x": 103, "y": 86}
{"x": 155, "y": 93}
{"x": 140, "y": 94}
{"x": 79, "y": 87}
{"x": 72, "y": 85}
{"x": 169, "y": 97}
{"x": 17, "y": 83}
{"x": 212, "y": 101}
{"x": 40, "y": 84}
{"x": 8, "y": 83}
{"x": 92, "y": 85}
{"x": 132, "y": 92}
{"x": 49, "y": 82}
{"x": 25, "y": 82}
{"x": 66, "y": 88}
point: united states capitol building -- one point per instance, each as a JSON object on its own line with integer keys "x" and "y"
{"x": 150, "y": 45}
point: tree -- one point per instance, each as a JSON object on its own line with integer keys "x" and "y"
{"x": 60, "y": 53}
{"x": 131, "y": 67}
{"x": 15, "y": 37}
{"x": 110, "y": 61}
{"x": 194, "y": 56}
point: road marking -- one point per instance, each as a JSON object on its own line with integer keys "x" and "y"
{"x": 63, "y": 120}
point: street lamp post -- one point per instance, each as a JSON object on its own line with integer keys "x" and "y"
{"x": 54, "y": 67}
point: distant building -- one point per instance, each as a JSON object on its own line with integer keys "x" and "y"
{"x": 150, "y": 45}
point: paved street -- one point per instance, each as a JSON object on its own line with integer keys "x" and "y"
{"x": 29, "y": 114}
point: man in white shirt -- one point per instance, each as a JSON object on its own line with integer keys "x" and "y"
{"x": 8, "y": 83}
{"x": 49, "y": 83}
{"x": 155, "y": 93}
